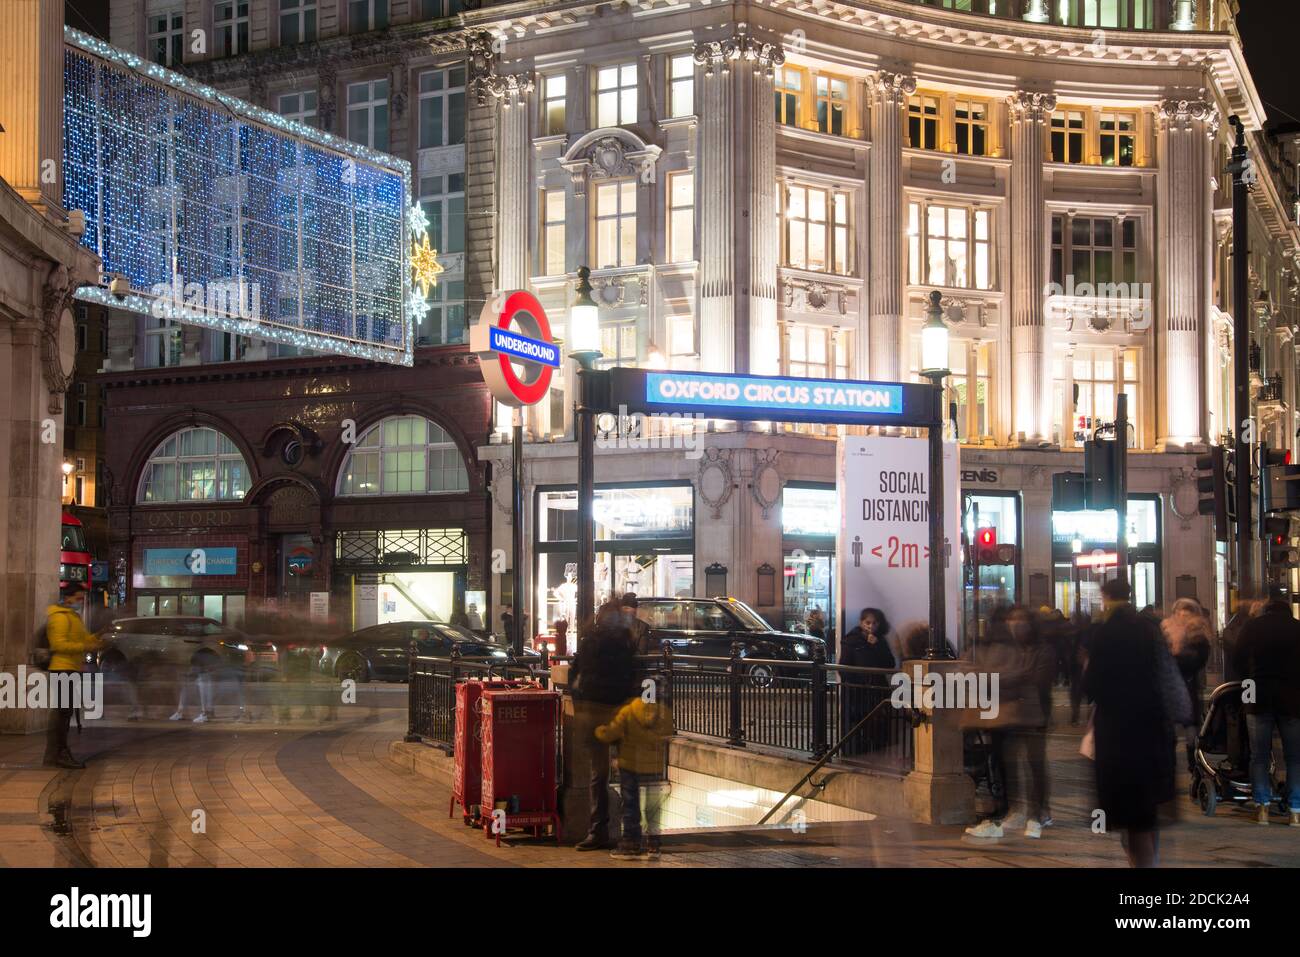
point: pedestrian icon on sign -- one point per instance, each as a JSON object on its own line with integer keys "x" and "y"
{"x": 857, "y": 551}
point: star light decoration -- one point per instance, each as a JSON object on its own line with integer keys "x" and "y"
{"x": 425, "y": 267}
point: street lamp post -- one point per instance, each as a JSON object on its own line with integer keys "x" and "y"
{"x": 934, "y": 366}
{"x": 584, "y": 349}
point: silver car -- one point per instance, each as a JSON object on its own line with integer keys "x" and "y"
{"x": 182, "y": 642}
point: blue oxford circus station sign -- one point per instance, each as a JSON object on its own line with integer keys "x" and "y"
{"x": 767, "y": 398}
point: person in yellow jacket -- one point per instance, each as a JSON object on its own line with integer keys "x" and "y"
{"x": 641, "y": 728}
{"x": 69, "y": 642}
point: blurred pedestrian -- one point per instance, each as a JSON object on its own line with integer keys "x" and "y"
{"x": 69, "y": 643}
{"x": 1248, "y": 608}
{"x": 639, "y": 630}
{"x": 1134, "y": 742}
{"x": 867, "y": 645}
{"x": 641, "y": 730}
{"x": 1016, "y": 652}
{"x": 1188, "y": 634}
{"x": 602, "y": 678}
{"x": 815, "y": 626}
{"x": 1268, "y": 654}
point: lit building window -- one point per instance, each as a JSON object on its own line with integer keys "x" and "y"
{"x": 230, "y": 21}
{"x": 366, "y": 15}
{"x": 815, "y": 352}
{"x": 300, "y": 107}
{"x": 681, "y": 217}
{"x": 1069, "y": 133}
{"x": 949, "y": 246}
{"x": 681, "y": 80}
{"x": 1084, "y": 385}
{"x": 1099, "y": 249}
{"x": 832, "y": 103}
{"x": 616, "y": 224}
{"x": 682, "y": 351}
{"x": 404, "y": 455}
{"x": 443, "y": 199}
{"x": 816, "y": 234}
{"x": 194, "y": 465}
{"x": 553, "y": 214}
{"x": 297, "y": 21}
{"x": 166, "y": 38}
{"x": 162, "y": 343}
{"x": 444, "y": 323}
{"x": 618, "y": 344}
{"x": 368, "y": 114}
{"x": 616, "y": 95}
{"x": 442, "y": 107}
{"x": 789, "y": 82}
{"x": 923, "y": 122}
{"x": 971, "y": 125}
{"x": 1118, "y": 132}
{"x": 554, "y": 90}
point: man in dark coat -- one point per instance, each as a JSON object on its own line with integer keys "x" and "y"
{"x": 603, "y": 677}
{"x": 1268, "y": 654}
{"x": 1134, "y": 741}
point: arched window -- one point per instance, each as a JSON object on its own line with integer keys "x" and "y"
{"x": 194, "y": 465}
{"x": 404, "y": 455}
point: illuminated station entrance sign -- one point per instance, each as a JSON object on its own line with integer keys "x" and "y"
{"x": 775, "y": 398}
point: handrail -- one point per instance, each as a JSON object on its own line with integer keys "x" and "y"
{"x": 823, "y": 760}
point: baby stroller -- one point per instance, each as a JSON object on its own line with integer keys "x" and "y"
{"x": 1221, "y": 759}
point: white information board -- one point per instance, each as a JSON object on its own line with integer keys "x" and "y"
{"x": 884, "y": 543}
{"x": 320, "y": 606}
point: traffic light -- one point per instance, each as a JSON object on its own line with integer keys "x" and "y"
{"x": 986, "y": 545}
{"x": 1279, "y": 481}
{"x": 1212, "y": 484}
{"x": 1278, "y": 536}
{"x": 1101, "y": 472}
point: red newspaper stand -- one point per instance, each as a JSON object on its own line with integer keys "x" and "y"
{"x": 520, "y": 731}
{"x": 467, "y": 779}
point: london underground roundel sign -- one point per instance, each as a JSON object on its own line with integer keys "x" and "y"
{"x": 515, "y": 349}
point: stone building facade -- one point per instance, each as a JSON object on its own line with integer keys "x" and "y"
{"x": 776, "y": 188}
{"x": 41, "y": 265}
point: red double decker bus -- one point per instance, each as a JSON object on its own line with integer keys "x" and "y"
{"x": 74, "y": 556}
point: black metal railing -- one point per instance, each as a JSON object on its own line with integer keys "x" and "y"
{"x": 800, "y": 706}
{"x": 431, "y": 692}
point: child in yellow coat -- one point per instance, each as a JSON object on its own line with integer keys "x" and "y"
{"x": 641, "y": 728}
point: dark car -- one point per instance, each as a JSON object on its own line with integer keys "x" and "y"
{"x": 382, "y": 652}
{"x": 707, "y": 627}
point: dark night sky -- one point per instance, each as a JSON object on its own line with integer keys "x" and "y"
{"x": 1268, "y": 32}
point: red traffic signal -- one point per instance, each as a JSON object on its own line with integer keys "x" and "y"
{"x": 986, "y": 546}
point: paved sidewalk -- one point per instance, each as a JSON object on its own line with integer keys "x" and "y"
{"x": 327, "y": 794}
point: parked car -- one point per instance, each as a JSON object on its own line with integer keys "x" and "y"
{"x": 179, "y": 641}
{"x": 707, "y": 627}
{"x": 382, "y": 652}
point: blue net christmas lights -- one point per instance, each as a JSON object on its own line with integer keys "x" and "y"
{"x": 225, "y": 215}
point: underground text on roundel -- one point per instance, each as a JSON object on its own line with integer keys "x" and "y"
{"x": 775, "y": 394}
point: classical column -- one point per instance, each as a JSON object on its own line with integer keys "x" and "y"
{"x": 1029, "y": 112}
{"x": 889, "y": 93}
{"x": 513, "y": 149}
{"x": 757, "y": 225}
{"x": 716, "y": 206}
{"x": 1185, "y": 135}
